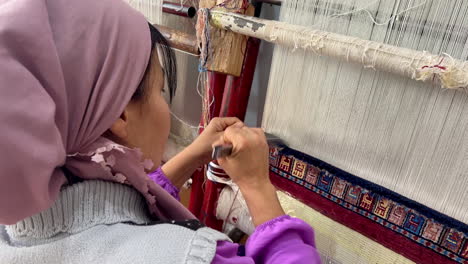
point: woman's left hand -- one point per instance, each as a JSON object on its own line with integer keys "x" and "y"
{"x": 202, "y": 146}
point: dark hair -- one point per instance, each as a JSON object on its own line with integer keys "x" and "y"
{"x": 169, "y": 65}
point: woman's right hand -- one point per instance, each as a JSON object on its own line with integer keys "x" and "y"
{"x": 248, "y": 167}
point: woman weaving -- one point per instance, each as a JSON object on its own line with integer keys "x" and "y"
{"x": 81, "y": 94}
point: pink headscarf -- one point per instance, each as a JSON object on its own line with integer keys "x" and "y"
{"x": 67, "y": 71}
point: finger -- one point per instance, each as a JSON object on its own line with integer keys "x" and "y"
{"x": 229, "y": 121}
{"x": 230, "y": 133}
{"x": 233, "y": 135}
{"x": 259, "y": 131}
{"x": 219, "y": 142}
{"x": 239, "y": 124}
{"x": 222, "y": 162}
{"x": 223, "y": 123}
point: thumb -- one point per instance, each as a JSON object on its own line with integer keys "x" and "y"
{"x": 219, "y": 142}
{"x": 223, "y": 123}
{"x": 239, "y": 124}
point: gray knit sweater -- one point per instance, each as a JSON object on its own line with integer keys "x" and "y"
{"x": 103, "y": 222}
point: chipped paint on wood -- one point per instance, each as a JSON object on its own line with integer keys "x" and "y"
{"x": 226, "y": 48}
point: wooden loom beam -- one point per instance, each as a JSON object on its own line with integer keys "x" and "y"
{"x": 417, "y": 65}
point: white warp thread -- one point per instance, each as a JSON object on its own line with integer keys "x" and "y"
{"x": 407, "y": 136}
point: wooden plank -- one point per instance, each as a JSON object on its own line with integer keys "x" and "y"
{"x": 227, "y": 49}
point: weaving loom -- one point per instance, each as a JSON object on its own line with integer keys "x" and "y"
{"x": 372, "y": 106}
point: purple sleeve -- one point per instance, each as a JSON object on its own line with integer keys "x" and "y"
{"x": 160, "y": 178}
{"x": 282, "y": 240}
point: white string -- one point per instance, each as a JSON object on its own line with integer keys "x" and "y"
{"x": 386, "y": 129}
{"x": 216, "y": 166}
{"x": 374, "y": 19}
{"x": 356, "y": 10}
{"x": 409, "y": 137}
{"x": 185, "y": 52}
{"x": 214, "y": 176}
{"x": 185, "y": 123}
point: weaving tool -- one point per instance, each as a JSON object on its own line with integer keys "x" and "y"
{"x": 221, "y": 151}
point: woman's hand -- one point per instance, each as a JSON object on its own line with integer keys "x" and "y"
{"x": 248, "y": 167}
{"x": 202, "y": 146}
{"x": 180, "y": 168}
{"x": 248, "y": 163}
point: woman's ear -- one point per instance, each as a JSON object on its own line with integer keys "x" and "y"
{"x": 120, "y": 127}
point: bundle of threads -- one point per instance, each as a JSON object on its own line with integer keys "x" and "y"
{"x": 203, "y": 29}
{"x": 203, "y": 37}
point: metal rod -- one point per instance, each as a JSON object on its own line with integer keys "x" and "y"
{"x": 179, "y": 10}
{"x": 450, "y": 73}
{"x": 273, "y": 2}
{"x": 180, "y": 40}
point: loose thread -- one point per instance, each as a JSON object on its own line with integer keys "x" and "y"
{"x": 184, "y": 123}
{"x": 203, "y": 37}
{"x": 232, "y": 205}
{"x": 373, "y": 19}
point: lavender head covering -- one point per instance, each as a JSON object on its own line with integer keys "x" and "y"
{"x": 67, "y": 71}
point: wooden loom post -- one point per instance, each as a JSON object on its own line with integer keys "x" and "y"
{"x": 234, "y": 104}
{"x": 216, "y": 82}
{"x": 222, "y": 59}
{"x": 237, "y": 89}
